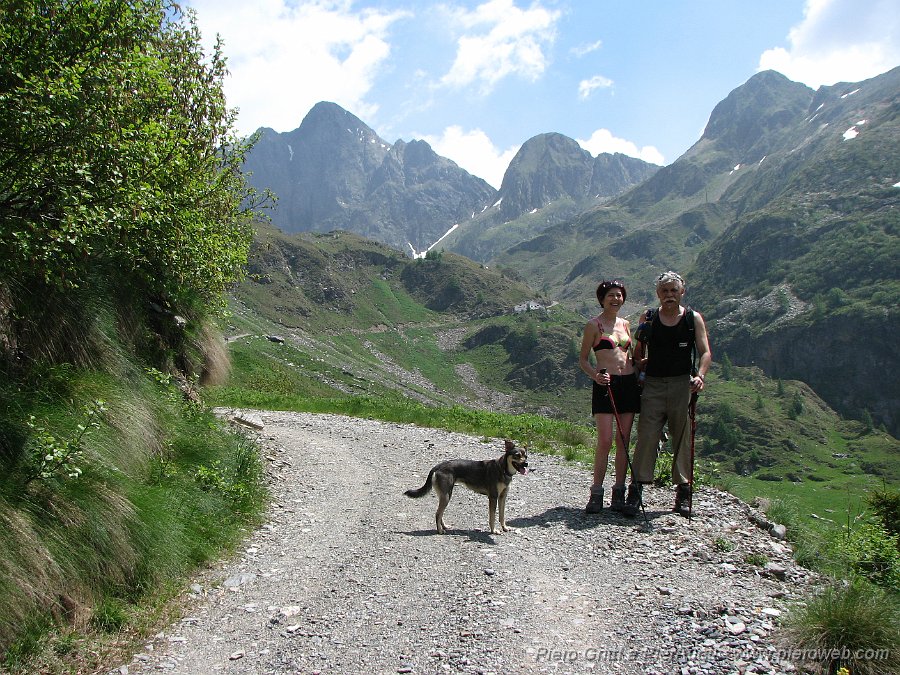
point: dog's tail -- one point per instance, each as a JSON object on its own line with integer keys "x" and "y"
{"x": 424, "y": 490}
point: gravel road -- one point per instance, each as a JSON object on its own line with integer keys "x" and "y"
{"x": 347, "y": 574}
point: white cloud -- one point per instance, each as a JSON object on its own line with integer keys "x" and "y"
{"x": 500, "y": 40}
{"x": 602, "y": 140}
{"x": 585, "y": 87}
{"x": 473, "y": 151}
{"x": 839, "y": 41}
{"x": 584, "y": 50}
{"x": 299, "y": 54}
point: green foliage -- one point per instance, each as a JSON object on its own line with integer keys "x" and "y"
{"x": 237, "y": 478}
{"x": 725, "y": 372}
{"x": 756, "y": 559}
{"x": 573, "y": 352}
{"x": 885, "y": 502}
{"x": 576, "y": 436}
{"x": 134, "y": 521}
{"x": 117, "y": 153}
{"x": 795, "y": 408}
{"x": 837, "y": 297}
{"x": 47, "y": 457}
{"x": 724, "y": 429}
{"x": 854, "y": 626}
{"x": 706, "y": 472}
{"x": 110, "y": 615}
{"x": 524, "y": 338}
{"x": 868, "y": 551}
{"x": 867, "y": 421}
{"x": 723, "y": 545}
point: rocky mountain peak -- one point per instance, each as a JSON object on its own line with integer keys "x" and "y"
{"x": 334, "y": 172}
{"x": 748, "y": 120}
{"x": 552, "y": 166}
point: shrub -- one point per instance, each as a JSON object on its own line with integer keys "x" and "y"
{"x": 756, "y": 559}
{"x": 869, "y": 551}
{"x": 795, "y": 409}
{"x": 722, "y": 544}
{"x": 138, "y": 170}
{"x": 886, "y": 504}
{"x": 726, "y": 372}
{"x": 854, "y": 626}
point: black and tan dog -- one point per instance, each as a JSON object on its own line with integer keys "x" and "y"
{"x": 489, "y": 477}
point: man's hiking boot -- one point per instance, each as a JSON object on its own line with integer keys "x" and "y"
{"x": 633, "y": 500}
{"x": 617, "y": 503}
{"x": 683, "y": 500}
{"x": 595, "y": 503}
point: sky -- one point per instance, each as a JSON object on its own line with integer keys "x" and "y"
{"x": 476, "y": 79}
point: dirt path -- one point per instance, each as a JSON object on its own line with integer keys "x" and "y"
{"x": 348, "y": 576}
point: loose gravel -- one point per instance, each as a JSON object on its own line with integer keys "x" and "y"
{"x": 347, "y": 575}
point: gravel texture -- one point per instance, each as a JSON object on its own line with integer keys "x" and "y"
{"x": 347, "y": 574}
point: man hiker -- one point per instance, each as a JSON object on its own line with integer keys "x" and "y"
{"x": 669, "y": 340}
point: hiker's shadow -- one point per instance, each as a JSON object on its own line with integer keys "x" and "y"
{"x": 576, "y": 519}
{"x": 476, "y": 536}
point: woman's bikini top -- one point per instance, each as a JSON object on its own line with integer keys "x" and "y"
{"x": 610, "y": 341}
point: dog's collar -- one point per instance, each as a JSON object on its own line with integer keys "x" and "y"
{"x": 506, "y": 470}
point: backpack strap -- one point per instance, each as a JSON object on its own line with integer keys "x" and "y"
{"x": 689, "y": 321}
{"x": 645, "y": 327}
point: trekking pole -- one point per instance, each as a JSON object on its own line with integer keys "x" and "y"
{"x": 692, "y": 411}
{"x": 612, "y": 403}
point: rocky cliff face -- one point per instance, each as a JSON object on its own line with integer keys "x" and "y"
{"x": 551, "y": 180}
{"x": 551, "y": 166}
{"x": 334, "y": 172}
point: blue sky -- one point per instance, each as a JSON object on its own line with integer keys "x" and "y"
{"x": 476, "y": 79}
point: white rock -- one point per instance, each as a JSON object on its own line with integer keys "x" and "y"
{"x": 737, "y": 628}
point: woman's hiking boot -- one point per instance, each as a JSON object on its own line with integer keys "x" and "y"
{"x": 595, "y": 503}
{"x": 617, "y": 503}
{"x": 633, "y": 500}
{"x": 683, "y": 495}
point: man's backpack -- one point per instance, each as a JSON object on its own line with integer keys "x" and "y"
{"x": 645, "y": 329}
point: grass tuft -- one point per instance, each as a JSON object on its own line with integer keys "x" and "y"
{"x": 848, "y": 625}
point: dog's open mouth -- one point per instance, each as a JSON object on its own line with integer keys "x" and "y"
{"x": 522, "y": 469}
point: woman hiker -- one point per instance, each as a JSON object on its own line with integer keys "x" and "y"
{"x": 609, "y": 337}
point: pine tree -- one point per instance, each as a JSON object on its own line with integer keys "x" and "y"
{"x": 726, "y": 367}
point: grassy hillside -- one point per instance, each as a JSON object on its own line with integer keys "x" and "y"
{"x": 114, "y": 488}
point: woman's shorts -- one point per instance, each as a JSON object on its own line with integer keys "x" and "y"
{"x": 625, "y": 391}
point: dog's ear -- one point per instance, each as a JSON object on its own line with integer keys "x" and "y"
{"x": 509, "y": 445}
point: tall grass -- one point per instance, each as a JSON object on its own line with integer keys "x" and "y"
{"x": 847, "y": 625}
{"x": 854, "y": 622}
{"x": 163, "y": 486}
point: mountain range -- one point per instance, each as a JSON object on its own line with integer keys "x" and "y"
{"x": 334, "y": 172}
{"x": 783, "y": 216}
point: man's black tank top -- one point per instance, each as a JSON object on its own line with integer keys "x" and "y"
{"x": 670, "y": 349}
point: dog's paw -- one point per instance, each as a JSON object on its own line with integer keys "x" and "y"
{"x": 508, "y": 528}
